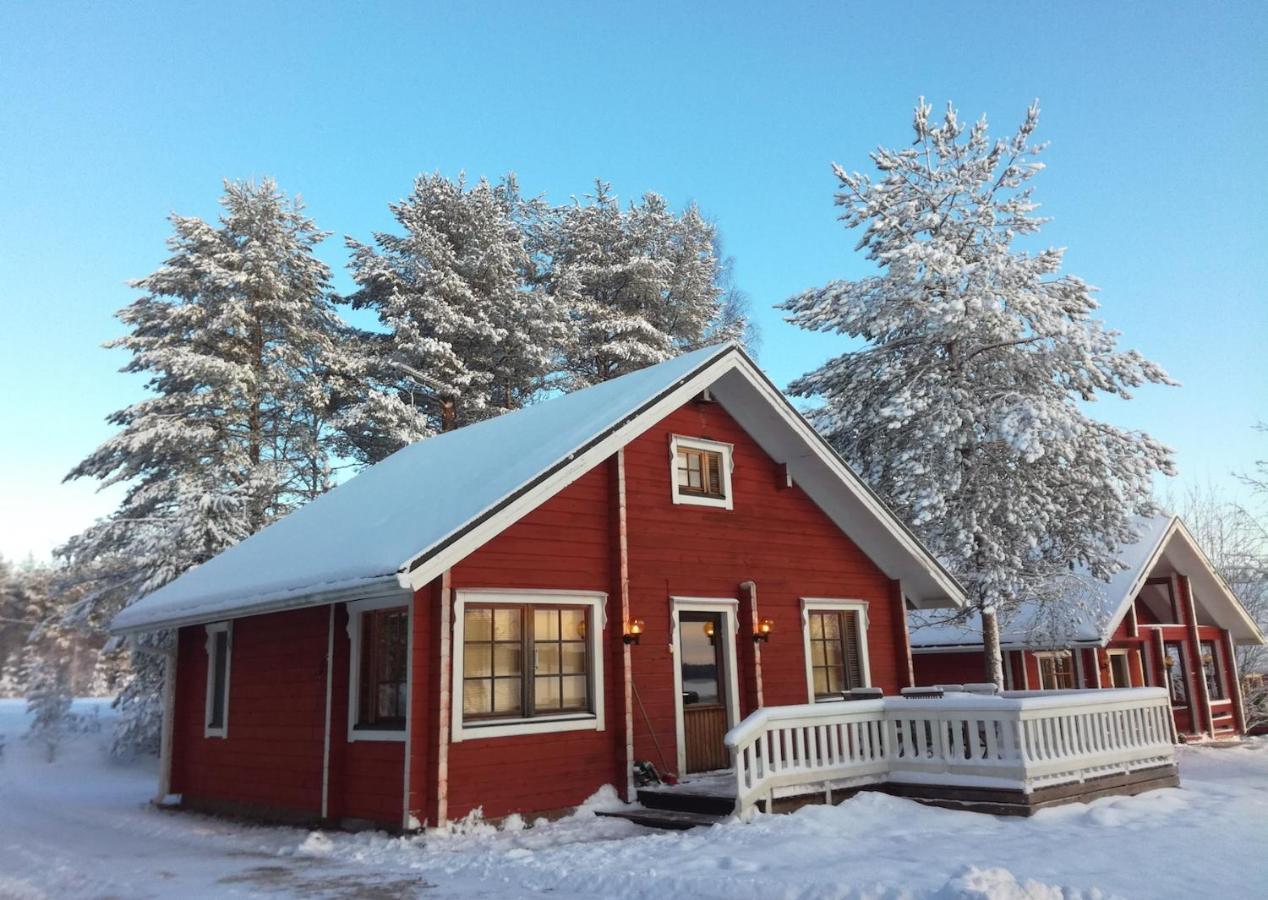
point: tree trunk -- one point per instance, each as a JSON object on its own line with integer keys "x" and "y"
{"x": 990, "y": 646}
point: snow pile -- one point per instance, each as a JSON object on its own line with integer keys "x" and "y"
{"x": 972, "y": 883}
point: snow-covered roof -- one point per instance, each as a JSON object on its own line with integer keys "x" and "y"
{"x": 400, "y": 523}
{"x": 1164, "y": 545}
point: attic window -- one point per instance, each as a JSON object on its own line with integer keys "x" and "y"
{"x": 701, "y": 472}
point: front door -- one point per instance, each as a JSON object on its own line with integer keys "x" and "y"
{"x": 702, "y": 638}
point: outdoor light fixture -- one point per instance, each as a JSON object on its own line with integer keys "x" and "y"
{"x": 633, "y": 629}
{"x": 763, "y": 630}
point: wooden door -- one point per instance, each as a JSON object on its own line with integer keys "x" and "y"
{"x": 704, "y": 701}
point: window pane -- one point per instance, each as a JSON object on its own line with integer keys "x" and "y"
{"x": 479, "y": 625}
{"x": 220, "y": 668}
{"x": 547, "y": 658}
{"x": 832, "y": 650}
{"x": 507, "y": 659}
{"x": 506, "y": 696}
{"x": 574, "y": 691}
{"x": 477, "y": 697}
{"x": 574, "y": 658}
{"x": 546, "y": 624}
{"x": 831, "y": 625}
{"x": 384, "y": 641}
{"x": 477, "y": 660}
{"x": 821, "y": 681}
{"x": 816, "y": 626}
{"x": 818, "y": 653}
{"x": 546, "y": 694}
{"x": 572, "y": 624}
{"x": 506, "y": 624}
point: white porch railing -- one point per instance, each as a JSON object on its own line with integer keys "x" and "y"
{"x": 1019, "y": 741}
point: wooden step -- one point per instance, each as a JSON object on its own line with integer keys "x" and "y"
{"x": 672, "y": 820}
{"x": 682, "y": 798}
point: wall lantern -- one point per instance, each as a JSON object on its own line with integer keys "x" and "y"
{"x": 708, "y": 631}
{"x": 633, "y": 629}
{"x": 763, "y": 630}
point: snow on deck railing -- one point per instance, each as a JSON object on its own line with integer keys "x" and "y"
{"x": 1019, "y": 741}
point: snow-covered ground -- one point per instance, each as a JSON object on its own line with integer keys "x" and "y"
{"x": 81, "y": 827}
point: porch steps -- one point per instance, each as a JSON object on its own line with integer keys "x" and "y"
{"x": 677, "y": 808}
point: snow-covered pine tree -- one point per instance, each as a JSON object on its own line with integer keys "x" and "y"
{"x": 964, "y": 409}
{"x": 640, "y": 285}
{"x": 466, "y": 335}
{"x": 240, "y": 342}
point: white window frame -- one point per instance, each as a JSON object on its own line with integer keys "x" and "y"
{"x": 1054, "y": 654}
{"x": 677, "y": 442}
{"x": 1126, "y": 655}
{"x": 828, "y": 604}
{"x": 212, "y": 630}
{"x": 355, "y": 610}
{"x": 596, "y": 604}
{"x": 730, "y": 609}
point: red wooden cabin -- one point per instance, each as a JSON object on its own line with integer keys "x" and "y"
{"x": 510, "y": 615}
{"x": 1166, "y": 619}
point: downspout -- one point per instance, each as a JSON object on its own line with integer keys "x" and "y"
{"x": 169, "y": 726}
{"x": 627, "y": 659}
{"x": 750, "y": 588}
{"x": 167, "y": 733}
{"x": 325, "y": 750}
{"x": 408, "y": 822}
{"x": 905, "y": 636}
{"x": 443, "y": 715}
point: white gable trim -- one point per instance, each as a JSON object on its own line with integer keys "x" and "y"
{"x": 1177, "y": 529}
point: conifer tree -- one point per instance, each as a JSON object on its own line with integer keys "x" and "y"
{"x": 237, "y": 335}
{"x": 640, "y": 285}
{"x": 465, "y": 333}
{"x": 964, "y": 407}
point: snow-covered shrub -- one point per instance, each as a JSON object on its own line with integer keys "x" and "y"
{"x": 48, "y": 700}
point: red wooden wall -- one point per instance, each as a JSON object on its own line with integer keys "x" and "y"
{"x": 775, "y": 536}
{"x": 271, "y": 758}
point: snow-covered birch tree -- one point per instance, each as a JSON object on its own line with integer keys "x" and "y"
{"x": 965, "y": 406}
{"x": 640, "y": 285}
{"x": 466, "y": 334}
{"x": 238, "y": 338}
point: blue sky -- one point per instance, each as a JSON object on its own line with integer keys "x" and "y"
{"x": 114, "y": 115}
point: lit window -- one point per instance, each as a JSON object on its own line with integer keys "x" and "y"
{"x": 701, "y": 473}
{"x": 497, "y": 640}
{"x": 836, "y": 647}
{"x": 1056, "y": 671}
{"x": 527, "y": 662}
{"x": 217, "y": 707}
{"x": 378, "y": 684}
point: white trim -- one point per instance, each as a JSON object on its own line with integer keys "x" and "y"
{"x": 355, "y": 609}
{"x": 595, "y": 601}
{"x": 729, "y": 607}
{"x": 446, "y": 702}
{"x": 862, "y": 623}
{"x": 726, "y": 451}
{"x": 212, "y": 630}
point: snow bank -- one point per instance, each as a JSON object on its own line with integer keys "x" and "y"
{"x": 83, "y": 828}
